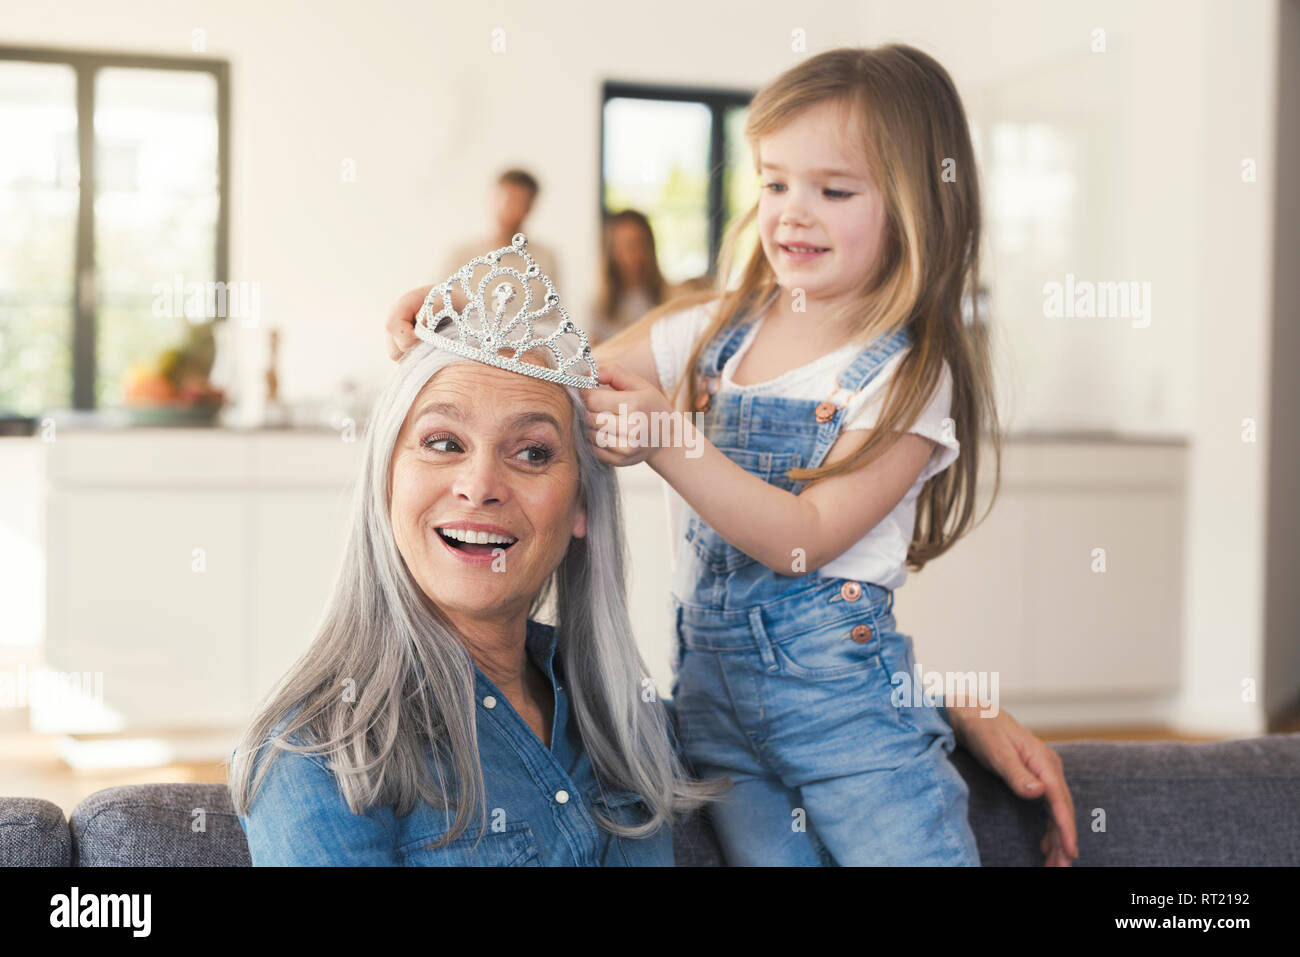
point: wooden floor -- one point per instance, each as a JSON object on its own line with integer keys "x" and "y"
{"x": 32, "y": 768}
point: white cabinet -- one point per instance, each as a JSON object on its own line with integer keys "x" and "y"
{"x": 297, "y": 545}
{"x": 1071, "y": 588}
{"x": 149, "y": 590}
{"x": 189, "y": 568}
{"x": 1017, "y": 596}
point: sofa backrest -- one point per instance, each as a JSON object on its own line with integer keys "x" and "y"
{"x": 1160, "y": 804}
{"x": 33, "y": 833}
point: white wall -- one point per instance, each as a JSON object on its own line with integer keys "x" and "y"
{"x": 414, "y": 95}
{"x": 1226, "y": 530}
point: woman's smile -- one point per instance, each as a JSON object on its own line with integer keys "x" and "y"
{"x": 475, "y": 544}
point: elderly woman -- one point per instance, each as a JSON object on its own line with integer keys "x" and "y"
{"x": 434, "y": 721}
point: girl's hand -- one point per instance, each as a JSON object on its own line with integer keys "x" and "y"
{"x": 401, "y": 321}
{"x": 401, "y": 318}
{"x": 1030, "y": 767}
{"x": 621, "y": 420}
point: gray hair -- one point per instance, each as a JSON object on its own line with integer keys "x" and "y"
{"x": 413, "y": 680}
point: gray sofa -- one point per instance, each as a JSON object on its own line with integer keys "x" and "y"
{"x": 1164, "y": 803}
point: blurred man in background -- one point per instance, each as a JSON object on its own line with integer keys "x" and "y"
{"x": 512, "y": 200}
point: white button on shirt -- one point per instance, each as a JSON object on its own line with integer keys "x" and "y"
{"x": 489, "y": 702}
{"x": 562, "y": 797}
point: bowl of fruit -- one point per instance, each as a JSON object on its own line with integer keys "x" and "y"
{"x": 173, "y": 387}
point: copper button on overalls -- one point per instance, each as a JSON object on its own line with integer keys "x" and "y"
{"x": 825, "y": 411}
{"x": 861, "y": 634}
{"x": 850, "y": 591}
{"x": 704, "y": 397}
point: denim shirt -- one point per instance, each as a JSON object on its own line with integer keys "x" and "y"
{"x": 540, "y": 801}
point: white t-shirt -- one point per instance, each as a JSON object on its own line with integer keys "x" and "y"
{"x": 880, "y": 555}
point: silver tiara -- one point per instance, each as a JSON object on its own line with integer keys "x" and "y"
{"x": 491, "y": 332}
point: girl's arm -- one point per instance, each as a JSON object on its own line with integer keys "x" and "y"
{"x": 763, "y": 521}
{"x": 769, "y": 524}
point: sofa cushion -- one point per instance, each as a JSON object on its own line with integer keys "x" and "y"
{"x": 154, "y": 825}
{"x": 33, "y": 833}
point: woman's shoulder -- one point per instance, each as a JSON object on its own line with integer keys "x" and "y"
{"x": 290, "y": 760}
{"x": 299, "y": 816}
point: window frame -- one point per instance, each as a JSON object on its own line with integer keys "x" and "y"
{"x": 86, "y": 64}
{"x": 718, "y": 101}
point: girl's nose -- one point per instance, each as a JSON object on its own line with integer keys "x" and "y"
{"x": 793, "y": 211}
{"x": 481, "y": 480}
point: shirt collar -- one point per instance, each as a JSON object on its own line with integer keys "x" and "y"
{"x": 540, "y": 642}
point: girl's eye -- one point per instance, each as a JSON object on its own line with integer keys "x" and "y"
{"x": 544, "y": 454}
{"x": 829, "y": 193}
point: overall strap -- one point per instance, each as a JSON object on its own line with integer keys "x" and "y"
{"x": 861, "y": 371}
{"x": 865, "y": 367}
{"x": 724, "y": 346}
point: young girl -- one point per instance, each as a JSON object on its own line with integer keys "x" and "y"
{"x": 842, "y": 400}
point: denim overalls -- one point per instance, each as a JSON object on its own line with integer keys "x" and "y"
{"x": 783, "y": 682}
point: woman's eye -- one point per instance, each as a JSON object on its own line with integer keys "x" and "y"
{"x": 543, "y": 454}
{"x": 432, "y": 442}
{"x": 837, "y": 193}
{"x": 774, "y": 187}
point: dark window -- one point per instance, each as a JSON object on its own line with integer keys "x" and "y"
{"x": 113, "y": 184}
{"x": 679, "y": 156}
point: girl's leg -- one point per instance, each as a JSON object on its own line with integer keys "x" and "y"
{"x": 757, "y": 821}
{"x": 759, "y": 824}
{"x": 912, "y": 815}
{"x": 871, "y": 766}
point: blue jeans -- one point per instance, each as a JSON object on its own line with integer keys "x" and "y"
{"x": 826, "y": 769}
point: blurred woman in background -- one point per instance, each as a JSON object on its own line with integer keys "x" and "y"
{"x": 630, "y": 281}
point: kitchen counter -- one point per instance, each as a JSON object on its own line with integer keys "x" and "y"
{"x": 190, "y": 566}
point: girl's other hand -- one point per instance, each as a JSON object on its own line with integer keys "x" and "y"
{"x": 621, "y": 419}
{"x": 1030, "y": 768}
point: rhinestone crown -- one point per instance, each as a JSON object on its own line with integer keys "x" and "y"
{"x": 484, "y": 334}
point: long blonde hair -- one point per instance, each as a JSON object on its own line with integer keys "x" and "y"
{"x": 914, "y": 130}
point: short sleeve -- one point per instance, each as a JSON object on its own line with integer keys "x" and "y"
{"x": 934, "y": 422}
{"x": 671, "y": 340}
{"x": 299, "y": 818}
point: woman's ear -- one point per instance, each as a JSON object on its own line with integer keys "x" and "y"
{"x": 580, "y": 522}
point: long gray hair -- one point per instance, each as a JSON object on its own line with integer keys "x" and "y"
{"x": 413, "y": 681}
